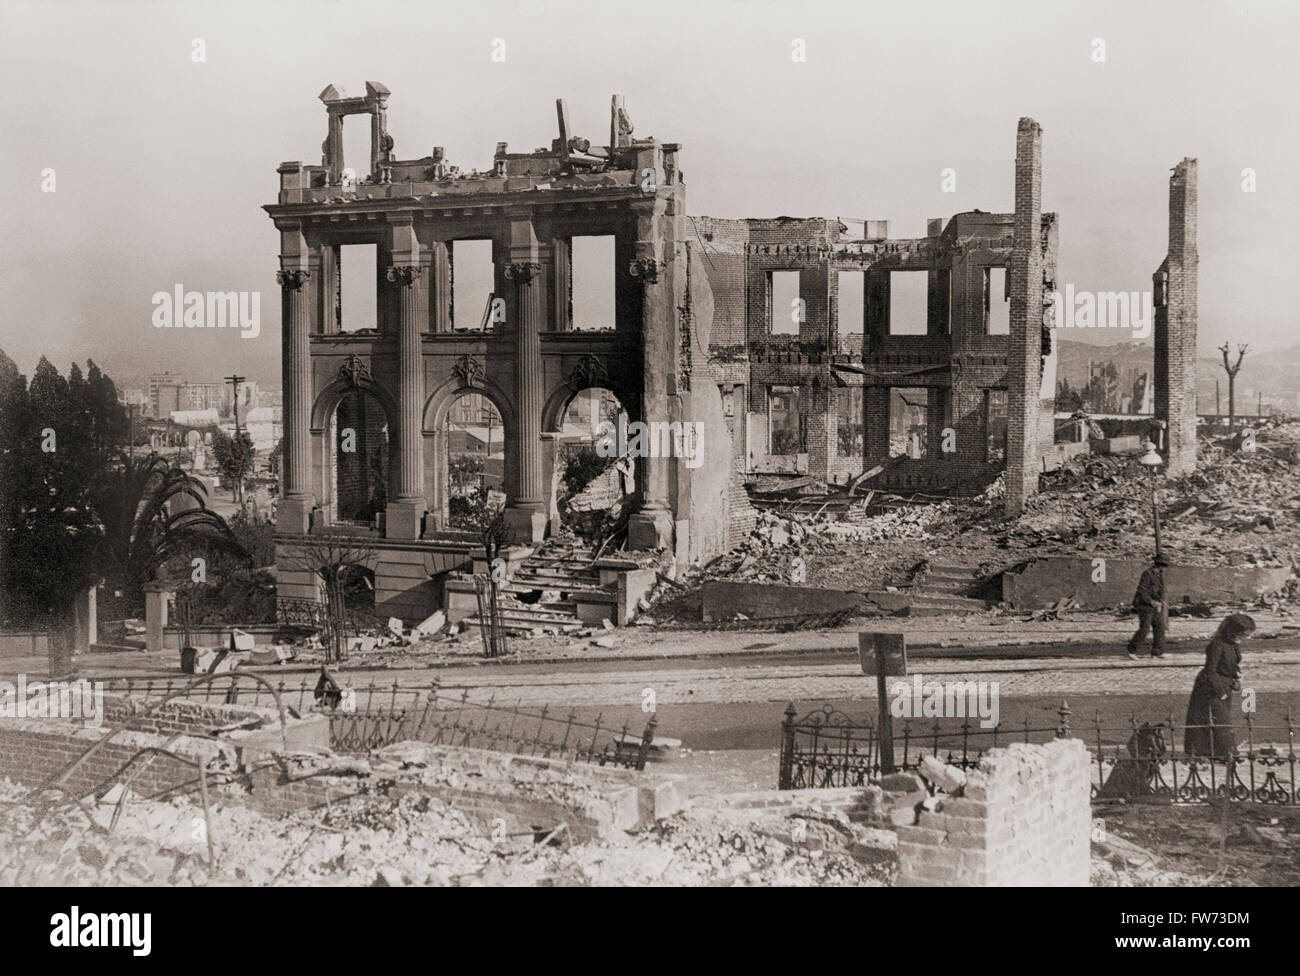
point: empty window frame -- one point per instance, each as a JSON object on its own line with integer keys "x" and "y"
{"x": 997, "y": 302}
{"x": 850, "y": 311}
{"x": 785, "y": 423}
{"x": 358, "y": 297}
{"x": 786, "y": 309}
{"x": 591, "y": 267}
{"x": 909, "y": 413}
{"x": 473, "y": 282}
{"x": 848, "y": 422}
{"x": 909, "y": 298}
{"x": 995, "y": 426}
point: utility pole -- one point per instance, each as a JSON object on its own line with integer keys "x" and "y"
{"x": 234, "y": 382}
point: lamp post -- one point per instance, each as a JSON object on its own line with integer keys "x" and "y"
{"x": 1152, "y": 460}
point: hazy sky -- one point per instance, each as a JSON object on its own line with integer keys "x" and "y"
{"x": 162, "y": 164}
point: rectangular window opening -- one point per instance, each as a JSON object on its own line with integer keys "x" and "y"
{"x": 848, "y": 422}
{"x": 473, "y": 281}
{"x": 850, "y": 311}
{"x": 997, "y": 302}
{"x": 356, "y": 146}
{"x": 358, "y": 299}
{"x": 785, "y": 421}
{"x": 786, "y": 311}
{"x": 909, "y": 297}
{"x": 591, "y": 263}
{"x": 909, "y": 412}
{"x": 995, "y": 424}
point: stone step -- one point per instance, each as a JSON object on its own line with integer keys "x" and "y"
{"x": 559, "y": 562}
{"x": 949, "y": 587}
{"x": 540, "y": 581}
{"x": 941, "y": 601}
{"x": 521, "y": 624}
{"x": 560, "y": 613}
{"x": 948, "y": 571}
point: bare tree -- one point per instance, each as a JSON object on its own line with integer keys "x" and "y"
{"x": 489, "y": 521}
{"x": 1232, "y": 370}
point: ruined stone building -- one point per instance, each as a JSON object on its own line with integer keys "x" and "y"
{"x": 782, "y": 339}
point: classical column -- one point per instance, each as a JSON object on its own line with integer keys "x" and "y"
{"x": 652, "y": 526}
{"x": 294, "y": 511}
{"x": 525, "y": 518}
{"x": 406, "y": 502}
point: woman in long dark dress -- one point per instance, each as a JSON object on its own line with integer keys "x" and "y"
{"x": 1211, "y": 702}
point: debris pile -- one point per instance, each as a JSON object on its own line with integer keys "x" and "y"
{"x": 1240, "y": 508}
{"x": 414, "y": 839}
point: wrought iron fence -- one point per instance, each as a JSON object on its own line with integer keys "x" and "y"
{"x": 826, "y": 748}
{"x": 367, "y": 717}
{"x": 1136, "y": 762}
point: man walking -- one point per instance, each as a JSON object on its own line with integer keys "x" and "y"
{"x": 1149, "y": 602}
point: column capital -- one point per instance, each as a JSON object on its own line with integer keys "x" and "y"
{"x": 403, "y": 275}
{"x": 645, "y": 269}
{"x": 522, "y": 271}
{"x": 292, "y": 280}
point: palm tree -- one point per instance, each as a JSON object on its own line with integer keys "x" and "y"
{"x": 144, "y": 528}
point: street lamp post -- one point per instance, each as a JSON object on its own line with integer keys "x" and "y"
{"x": 1152, "y": 460}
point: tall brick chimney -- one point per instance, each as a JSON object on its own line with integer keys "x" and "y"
{"x": 1175, "y": 325}
{"x": 1024, "y": 352}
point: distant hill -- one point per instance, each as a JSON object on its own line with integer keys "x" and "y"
{"x": 1275, "y": 372}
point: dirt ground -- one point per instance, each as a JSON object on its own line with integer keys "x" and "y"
{"x": 1196, "y": 845}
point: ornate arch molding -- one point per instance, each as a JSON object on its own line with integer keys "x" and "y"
{"x": 353, "y": 375}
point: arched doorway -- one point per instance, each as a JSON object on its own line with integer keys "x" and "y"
{"x": 473, "y": 439}
{"x": 593, "y": 476}
{"x": 359, "y": 458}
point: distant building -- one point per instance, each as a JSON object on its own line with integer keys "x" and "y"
{"x": 161, "y": 403}
{"x": 201, "y": 396}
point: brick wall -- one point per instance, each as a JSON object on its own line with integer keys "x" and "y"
{"x": 1176, "y": 323}
{"x": 526, "y": 791}
{"x": 723, "y": 244}
{"x": 1024, "y": 819}
{"x": 1024, "y": 352}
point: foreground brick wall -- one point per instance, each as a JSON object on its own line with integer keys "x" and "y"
{"x": 524, "y": 791}
{"x": 1024, "y": 819}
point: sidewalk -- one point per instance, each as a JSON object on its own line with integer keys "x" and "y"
{"x": 1089, "y": 635}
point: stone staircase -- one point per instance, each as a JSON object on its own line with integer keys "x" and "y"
{"x": 939, "y": 592}
{"x": 539, "y": 596}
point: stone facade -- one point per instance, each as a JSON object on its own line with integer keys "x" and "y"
{"x": 526, "y": 359}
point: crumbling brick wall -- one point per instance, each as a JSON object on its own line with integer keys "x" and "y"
{"x": 525, "y": 791}
{"x": 1023, "y": 819}
{"x": 1175, "y": 324}
{"x": 1024, "y": 352}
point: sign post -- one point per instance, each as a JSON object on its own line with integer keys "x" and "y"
{"x": 884, "y": 655}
